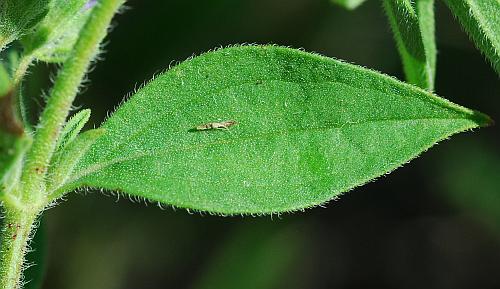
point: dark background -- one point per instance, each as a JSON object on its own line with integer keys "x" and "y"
{"x": 434, "y": 223}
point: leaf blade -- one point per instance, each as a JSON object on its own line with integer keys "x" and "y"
{"x": 413, "y": 30}
{"x": 481, "y": 20}
{"x": 299, "y": 117}
{"x": 66, "y": 158}
{"x": 73, "y": 127}
{"x": 18, "y": 17}
{"x": 54, "y": 37}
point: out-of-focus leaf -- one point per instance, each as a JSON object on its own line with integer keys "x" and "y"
{"x": 17, "y": 17}
{"x": 259, "y": 256}
{"x": 469, "y": 175}
{"x": 36, "y": 260}
{"x": 5, "y": 84}
{"x": 13, "y": 143}
{"x": 54, "y": 37}
{"x": 481, "y": 20}
{"x": 308, "y": 129}
{"x": 12, "y": 150}
{"x": 413, "y": 28}
{"x": 349, "y": 4}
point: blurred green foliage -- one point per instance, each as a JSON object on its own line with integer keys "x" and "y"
{"x": 261, "y": 257}
{"x": 471, "y": 181}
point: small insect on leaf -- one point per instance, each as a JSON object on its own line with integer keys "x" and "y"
{"x": 216, "y": 125}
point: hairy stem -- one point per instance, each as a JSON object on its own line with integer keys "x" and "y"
{"x": 19, "y": 74}
{"x": 22, "y": 69}
{"x": 14, "y": 238}
{"x": 62, "y": 95}
{"x": 19, "y": 215}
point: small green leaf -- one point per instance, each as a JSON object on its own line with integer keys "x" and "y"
{"x": 54, "y": 37}
{"x": 73, "y": 127}
{"x": 17, "y": 17}
{"x": 349, "y": 4}
{"x": 65, "y": 160}
{"x": 308, "y": 129}
{"x": 413, "y": 28}
{"x": 481, "y": 20}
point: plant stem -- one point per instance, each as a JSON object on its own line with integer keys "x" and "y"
{"x": 22, "y": 68}
{"x": 19, "y": 74}
{"x": 14, "y": 238}
{"x": 62, "y": 95}
{"x": 20, "y": 215}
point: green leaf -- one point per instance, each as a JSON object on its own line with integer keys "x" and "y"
{"x": 8, "y": 67}
{"x": 468, "y": 177}
{"x": 349, "y": 4}
{"x": 5, "y": 84}
{"x": 17, "y": 17}
{"x": 36, "y": 259}
{"x": 73, "y": 127}
{"x": 257, "y": 258}
{"x": 413, "y": 28}
{"x": 13, "y": 143}
{"x": 54, "y": 37}
{"x": 65, "y": 160}
{"x": 12, "y": 150}
{"x": 308, "y": 129}
{"x": 481, "y": 20}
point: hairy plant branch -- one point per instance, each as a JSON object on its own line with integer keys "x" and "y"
{"x": 62, "y": 95}
{"x": 19, "y": 220}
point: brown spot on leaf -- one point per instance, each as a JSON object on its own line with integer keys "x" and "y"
{"x": 39, "y": 170}
{"x": 14, "y": 236}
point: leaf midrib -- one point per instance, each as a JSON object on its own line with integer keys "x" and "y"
{"x": 97, "y": 167}
{"x": 139, "y": 130}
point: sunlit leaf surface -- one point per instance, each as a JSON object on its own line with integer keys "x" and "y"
{"x": 308, "y": 128}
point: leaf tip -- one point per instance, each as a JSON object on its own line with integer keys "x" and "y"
{"x": 86, "y": 112}
{"x": 482, "y": 119}
{"x": 95, "y": 133}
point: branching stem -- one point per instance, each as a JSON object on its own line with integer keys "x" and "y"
{"x": 18, "y": 219}
{"x": 61, "y": 97}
